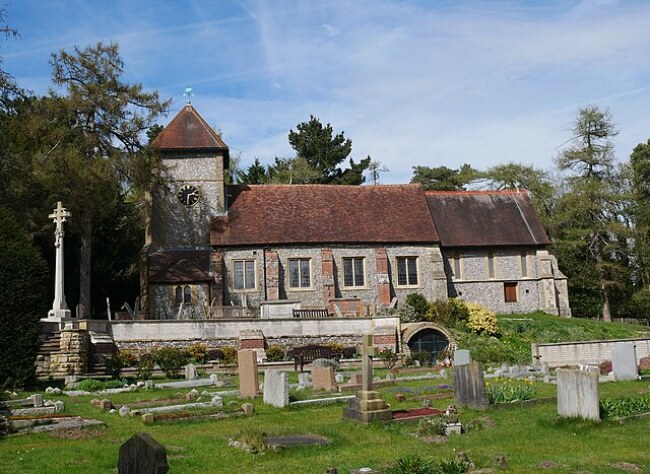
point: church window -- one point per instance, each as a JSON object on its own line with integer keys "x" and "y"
{"x": 353, "y": 272}
{"x": 490, "y": 264}
{"x": 183, "y": 295}
{"x": 244, "y": 274}
{"x": 510, "y": 292}
{"x": 524, "y": 263}
{"x": 407, "y": 271}
{"x": 299, "y": 273}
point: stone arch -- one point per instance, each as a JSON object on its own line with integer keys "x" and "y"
{"x": 427, "y": 336}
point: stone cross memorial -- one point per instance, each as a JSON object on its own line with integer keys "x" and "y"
{"x": 367, "y": 405}
{"x": 59, "y": 311}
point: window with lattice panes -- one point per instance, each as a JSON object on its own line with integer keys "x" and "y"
{"x": 353, "y": 272}
{"x": 407, "y": 271}
{"x": 244, "y": 274}
{"x": 300, "y": 273}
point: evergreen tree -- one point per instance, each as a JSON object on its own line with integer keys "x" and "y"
{"x": 442, "y": 178}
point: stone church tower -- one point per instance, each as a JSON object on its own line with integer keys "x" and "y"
{"x": 175, "y": 269}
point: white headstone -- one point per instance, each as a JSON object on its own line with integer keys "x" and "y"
{"x": 577, "y": 394}
{"x": 190, "y": 372}
{"x": 462, "y": 357}
{"x": 276, "y": 388}
{"x": 304, "y": 379}
{"x": 624, "y": 366}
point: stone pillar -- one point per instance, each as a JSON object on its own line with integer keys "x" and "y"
{"x": 72, "y": 357}
{"x": 248, "y": 376}
{"x": 272, "y": 272}
{"x": 438, "y": 280}
{"x": 216, "y": 268}
{"x": 383, "y": 277}
{"x": 329, "y": 289}
{"x": 59, "y": 311}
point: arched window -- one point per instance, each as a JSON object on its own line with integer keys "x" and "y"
{"x": 187, "y": 295}
{"x": 178, "y": 295}
{"x": 429, "y": 340}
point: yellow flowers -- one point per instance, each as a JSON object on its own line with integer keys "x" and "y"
{"x": 482, "y": 320}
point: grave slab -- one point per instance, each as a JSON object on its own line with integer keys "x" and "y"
{"x": 462, "y": 357}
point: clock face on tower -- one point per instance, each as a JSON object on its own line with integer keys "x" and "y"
{"x": 188, "y": 195}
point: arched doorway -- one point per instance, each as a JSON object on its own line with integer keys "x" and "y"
{"x": 427, "y": 337}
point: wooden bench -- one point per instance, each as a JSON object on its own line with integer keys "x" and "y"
{"x": 310, "y": 313}
{"x": 306, "y": 354}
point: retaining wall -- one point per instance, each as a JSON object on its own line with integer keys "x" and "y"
{"x": 583, "y": 352}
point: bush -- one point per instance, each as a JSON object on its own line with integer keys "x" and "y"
{"x": 605, "y": 367}
{"x": 349, "y": 352}
{"x": 388, "y": 357}
{"x": 452, "y": 312}
{"x": 145, "y": 366}
{"x": 229, "y": 355}
{"x": 198, "y": 353}
{"x": 419, "y": 303}
{"x": 481, "y": 320}
{"x": 90, "y": 385}
{"x": 275, "y": 353}
{"x": 509, "y": 391}
{"x": 170, "y": 360}
{"x": 413, "y": 464}
{"x": 23, "y": 293}
{"x": 127, "y": 358}
{"x": 336, "y": 347}
{"x": 215, "y": 354}
{"x": 114, "y": 365}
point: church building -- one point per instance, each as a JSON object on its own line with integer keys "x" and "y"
{"x": 223, "y": 251}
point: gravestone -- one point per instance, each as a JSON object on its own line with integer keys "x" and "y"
{"x": 190, "y": 372}
{"x": 367, "y": 405}
{"x": 624, "y": 365}
{"x": 249, "y": 384}
{"x": 469, "y": 385}
{"x": 276, "y": 388}
{"x": 323, "y": 379}
{"x": 462, "y": 357}
{"x": 577, "y": 394}
{"x": 141, "y": 454}
{"x": 304, "y": 379}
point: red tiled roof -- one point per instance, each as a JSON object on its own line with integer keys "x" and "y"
{"x": 177, "y": 266}
{"x": 485, "y": 218}
{"x": 315, "y": 214}
{"x": 188, "y": 131}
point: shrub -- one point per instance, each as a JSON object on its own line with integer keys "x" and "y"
{"x": 413, "y": 464}
{"x": 170, "y": 360}
{"x": 127, "y": 358}
{"x": 215, "y": 354}
{"x": 455, "y": 465}
{"x": 388, "y": 357}
{"x": 336, "y": 347}
{"x": 509, "y": 391}
{"x": 229, "y": 355}
{"x": 423, "y": 357}
{"x": 407, "y": 314}
{"x": 90, "y": 385}
{"x": 624, "y": 406}
{"x": 349, "y": 352}
{"x": 198, "y": 352}
{"x": 25, "y": 282}
{"x": 481, "y": 320}
{"x": 114, "y": 365}
{"x": 145, "y": 366}
{"x": 275, "y": 353}
{"x": 419, "y": 303}
{"x": 451, "y": 312}
{"x": 605, "y": 367}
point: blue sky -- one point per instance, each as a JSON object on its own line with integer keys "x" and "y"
{"x": 410, "y": 82}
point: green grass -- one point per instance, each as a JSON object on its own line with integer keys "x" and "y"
{"x": 526, "y": 434}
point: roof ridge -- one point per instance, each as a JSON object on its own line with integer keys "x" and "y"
{"x": 479, "y": 192}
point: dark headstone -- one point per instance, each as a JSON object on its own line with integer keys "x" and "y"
{"x": 469, "y": 386}
{"x": 141, "y": 454}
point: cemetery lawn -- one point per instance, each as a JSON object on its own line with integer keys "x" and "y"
{"x": 528, "y": 435}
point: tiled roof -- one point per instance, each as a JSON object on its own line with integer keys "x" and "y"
{"x": 177, "y": 266}
{"x": 188, "y": 131}
{"x": 485, "y": 218}
{"x": 327, "y": 214}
